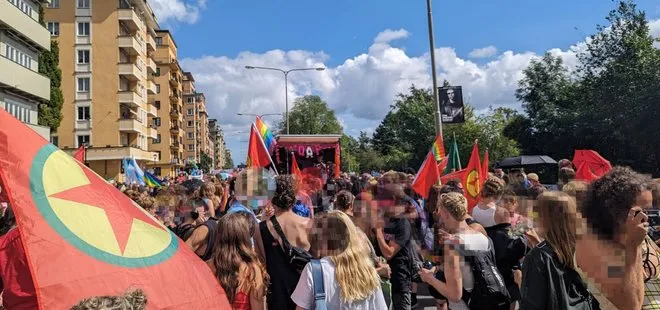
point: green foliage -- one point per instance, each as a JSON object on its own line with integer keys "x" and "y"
{"x": 205, "y": 162}
{"x": 50, "y": 113}
{"x": 229, "y": 162}
{"x": 608, "y": 104}
{"x": 311, "y": 116}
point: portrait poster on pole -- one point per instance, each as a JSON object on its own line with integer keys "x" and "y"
{"x": 451, "y": 104}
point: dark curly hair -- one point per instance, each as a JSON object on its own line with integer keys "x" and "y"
{"x": 610, "y": 198}
{"x": 285, "y": 194}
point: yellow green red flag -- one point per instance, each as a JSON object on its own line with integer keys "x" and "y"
{"x": 84, "y": 238}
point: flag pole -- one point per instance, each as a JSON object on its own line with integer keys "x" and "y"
{"x": 436, "y": 104}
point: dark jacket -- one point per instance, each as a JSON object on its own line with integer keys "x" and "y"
{"x": 509, "y": 250}
{"x": 547, "y": 284}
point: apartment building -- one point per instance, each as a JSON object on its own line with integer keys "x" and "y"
{"x": 22, "y": 39}
{"x": 169, "y": 121}
{"x": 217, "y": 144}
{"x": 106, "y": 58}
{"x": 196, "y": 140}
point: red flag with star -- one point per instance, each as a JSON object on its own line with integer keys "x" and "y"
{"x": 84, "y": 238}
{"x": 472, "y": 180}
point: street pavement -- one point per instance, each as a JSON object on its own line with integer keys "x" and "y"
{"x": 424, "y": 300}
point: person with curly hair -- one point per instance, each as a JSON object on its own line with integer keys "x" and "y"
{"x": 236, "y": 265}
{"x": 484, "y": 211}
{"x": 284, "y": 277}
{"x": 615, "y": 254}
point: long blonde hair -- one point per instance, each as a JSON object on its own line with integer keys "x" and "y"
{"x": 559, "y": 219}
{"x": 335, "y": 236}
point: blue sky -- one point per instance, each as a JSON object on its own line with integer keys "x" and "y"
{"x": 216, "y": 38}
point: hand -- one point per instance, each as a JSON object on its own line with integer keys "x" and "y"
{"x": 447, "y": 238}
{"x": 517, "y": 277}
{"x": 635, "y": 228}
{"x": 269, "y": 211}
{"x": 384, "y": 270}
{"x": 426, "y": 275}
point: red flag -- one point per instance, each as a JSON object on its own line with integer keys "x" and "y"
{"x": 295, "y": 170}
{"x": 443, "y": 164}
{"x": 427, "y": 176}
{"x": 484, "y": 168}
{"x": 590, "y": 165}
{"x": 83, "y": 237}
{"x": 257, "y": 156}
{"x": 472, "y": 180}
{"x": 79, "y": 155}
{"x": 460, "y": 175}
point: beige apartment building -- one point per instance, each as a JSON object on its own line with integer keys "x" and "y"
{"x": 106, "y": 58}
{"x": 217, "y": 143}
{"x": 196, "y": 138}
{"x": 169, "y": 121}
{"x": 22, "y": 39}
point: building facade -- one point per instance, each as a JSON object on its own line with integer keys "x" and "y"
{"x": 22, "y": 39}
{"x": 106, "y": 58}
{"x": 169, "y": 121}
{"x": 196, "y": 139}
{"x": 217, "y": 143}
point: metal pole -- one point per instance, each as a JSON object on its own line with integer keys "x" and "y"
{"x": 286, "y": 99}
{"x": 438, "y": 116}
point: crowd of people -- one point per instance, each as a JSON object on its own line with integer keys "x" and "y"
{"x": 372, "y": 242}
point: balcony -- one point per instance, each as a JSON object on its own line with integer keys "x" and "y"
{"x": 174, "y": 81}
{"x": 151, "y": 66}
{"x": 175, "y": 146}
{"x": 151, "y": 110}
{"x": 151, "y": 43}
{"x": 174, "y": 97}
{"x": 129, "y": 71}
{"x": 130, "y": 19}
{"x": 130, "y": 44}
{"x": 129, "y": 98}
{"x": 23, "y": 80}
{"x": 28, "y": 28}
{"x": 94, "y": 153}
{"x": 174, "y": 64}
{"x": 151, "y": 88}
{"x": 130, "y": 125}
{"x": 174, "y": 130}
{"x": 152, "y": 133}
{"x": 175, "y": 113}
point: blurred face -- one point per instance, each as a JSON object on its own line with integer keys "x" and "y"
{"x": 645, "y": 200}
{"x": 499, "y": 173}
{"x": 450, "y": 94}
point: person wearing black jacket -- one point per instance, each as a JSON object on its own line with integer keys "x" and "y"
{"x": 508, "y": 250}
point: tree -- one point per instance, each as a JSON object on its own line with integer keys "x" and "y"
{"x": 608, "y": 104}
{"x": 50, "y": 114}
{"x": 229, "y": 162}
{"x": 311, "y": 116}
{"x": 205, "y": 162}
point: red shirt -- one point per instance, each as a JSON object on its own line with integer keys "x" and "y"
{"x": 15, "y": 277}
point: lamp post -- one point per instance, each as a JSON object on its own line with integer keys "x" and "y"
{"x": 286, "y": 85}
{"x": 257, "y": 115}
{"x": 438, "y": 116}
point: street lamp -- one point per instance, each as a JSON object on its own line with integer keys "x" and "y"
{"x": 286, "y": 85}
{"x": 257, "y": 115}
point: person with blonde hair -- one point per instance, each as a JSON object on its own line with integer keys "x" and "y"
{"x": 131, "y": 300}
{"x": 235, "y": 263}
{"x": 550, "y": 277}
{"x": 349, "y": 277}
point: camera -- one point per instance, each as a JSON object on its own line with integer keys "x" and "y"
{"x": 654, "y": 221}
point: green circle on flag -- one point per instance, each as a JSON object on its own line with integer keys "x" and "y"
{"x": 45, "y": 208}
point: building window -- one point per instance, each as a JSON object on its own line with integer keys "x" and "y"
{"x": 19, "y": 110}
{"x": 157, "y": 140}
{"x": 191, "y": 147}
{"x": 83, "y": 84}
{"x": 156, "y": 121}
{"x": 190, "y": 100}
{"x": 83, "y": 4}
{"x": 157, "y": 72}
{"x": 23, "y": 6}
{"x": 191, "y": 158}
{"x": 191, "y": 135}
{"x": 83, "y": 114}
{"x": 191, "y": 112}
{"x": 159, "y": 41}
{"x": 83, "y": 140}
{"x": 157, "y": 88}
{"x": 190, "y": 123}
{"x": 157, "y": 104}
{"x": 54, "y": 4}
{"x": 55, "y": 140}
{"x": 83, "y": 29}
{"x": 54, "y": 28}
{"x": 18, "y": 56}
{"x": 83, "y": 57}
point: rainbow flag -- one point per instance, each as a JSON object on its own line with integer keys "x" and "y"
{"x": 266, "y": 134}
{"x": 438, "y": 148}
{"x": 151, "y": 180}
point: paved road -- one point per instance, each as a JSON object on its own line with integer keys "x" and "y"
{"x": 424, "y": 300}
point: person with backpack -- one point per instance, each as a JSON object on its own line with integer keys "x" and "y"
{"x": 348, "y": 277}
{"x": 471, "y": 278}
{"x": 283, "y": 244}
{"x": 202, "y": 238}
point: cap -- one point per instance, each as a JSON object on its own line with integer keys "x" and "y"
{"x": 533, "y": 177}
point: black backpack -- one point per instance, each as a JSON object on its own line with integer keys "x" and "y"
{"x": 489, "y": 290}
{"x": 298, "y": 257}
{"x": 185, "y": 231}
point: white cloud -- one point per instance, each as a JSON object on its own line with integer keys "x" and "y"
{"x": 360, "y": 89}
{"x": 178, "y": 10}
{"x": 484, "y": 52}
